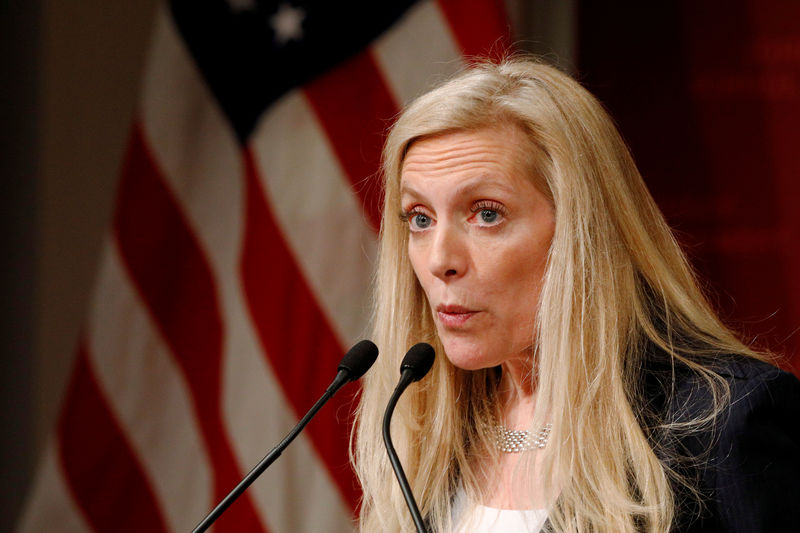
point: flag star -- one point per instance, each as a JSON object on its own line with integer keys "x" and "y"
{"x": 237, "y": 6}
{"x": 287, "y": 24}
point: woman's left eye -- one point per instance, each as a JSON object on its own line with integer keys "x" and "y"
{"x": 488, "y": 213}
{"x": 489, "y": 216}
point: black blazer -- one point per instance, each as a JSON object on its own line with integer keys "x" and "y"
{"x": 748, "y": 467}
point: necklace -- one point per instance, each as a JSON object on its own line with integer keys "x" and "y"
{"x": 520, "y": 440}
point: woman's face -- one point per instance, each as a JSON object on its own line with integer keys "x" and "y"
{"x": 479, "y": 234}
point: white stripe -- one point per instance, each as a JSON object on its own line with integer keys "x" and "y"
{"x": 149, "y": 396}
{"x": 417, "y": 52}
{"x": 50, "y": 506}
{"x": 201, "y": 161}
{"x": 318, "y": 212}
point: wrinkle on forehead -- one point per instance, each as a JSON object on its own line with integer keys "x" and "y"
{"x": 439, "y": 154}
{"x": 457, "y": 149}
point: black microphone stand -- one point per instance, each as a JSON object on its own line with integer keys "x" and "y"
{"x": 353, "y": 365}
{"x": 342, "y": 378}
{"x": 416, "y": 364}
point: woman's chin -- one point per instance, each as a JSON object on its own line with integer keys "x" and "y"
{"x": 468, "y": 357}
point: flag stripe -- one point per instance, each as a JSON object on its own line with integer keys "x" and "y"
{"x": 136, "y": 373}
{"x": 480, "y": 26}
{"x": 411, "y": 64}
{"x": 99, "y": 464}
{"x": 300, "y": 344}
{"x": 321, "y": 220}
{"x": 355, "y": 107}
{"x": 148, "y": 224}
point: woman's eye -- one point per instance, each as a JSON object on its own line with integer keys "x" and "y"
{"x": 488, "y": 213}
{"x": 420, "y": 221}
{"x": 488, "y": 216}
{"x": 416, "y": 220}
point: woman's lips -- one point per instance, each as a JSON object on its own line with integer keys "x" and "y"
{"x": 453, "y": 316}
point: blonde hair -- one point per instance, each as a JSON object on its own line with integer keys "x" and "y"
{"x": 616, "y": 284}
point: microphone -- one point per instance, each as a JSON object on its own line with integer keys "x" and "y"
{"x": 354, "y": 364}
{"x": 415, "y": 365}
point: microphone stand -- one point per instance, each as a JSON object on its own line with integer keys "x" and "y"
{"x": 406, "y": 378}
{"x": 353, "y": 365}
{"x": 341, "y": 378}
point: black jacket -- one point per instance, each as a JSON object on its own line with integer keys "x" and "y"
{"x": 748, "y": 465}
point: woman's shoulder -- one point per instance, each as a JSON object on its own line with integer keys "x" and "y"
{"x": 752, "y": 383}
{"x": 748, "y": 369}
{"x": 760, "y": 397}
{"x": 754, "y": 469}
{"x": 686, "y": 392}
{"x": 746, "y": 458}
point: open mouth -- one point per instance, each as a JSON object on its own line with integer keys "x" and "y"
{"x": 453, "y": 315}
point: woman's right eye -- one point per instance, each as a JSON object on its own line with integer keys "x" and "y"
{"x": 421, "y": 221}
{"x": 417, "y": 220}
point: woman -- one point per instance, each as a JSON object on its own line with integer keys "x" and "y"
{"x": 529, "y": 253}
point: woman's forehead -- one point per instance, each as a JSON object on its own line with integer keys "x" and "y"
{"x": 505, "y": 144}
{"x": 499, "y": 155}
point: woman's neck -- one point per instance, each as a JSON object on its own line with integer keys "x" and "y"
{"x": 514, "y": 480}
{"x": 517, "y": 393}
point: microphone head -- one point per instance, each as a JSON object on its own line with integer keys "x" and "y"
{"x": 418, "y": 359}
{"x": 359, "y": 359}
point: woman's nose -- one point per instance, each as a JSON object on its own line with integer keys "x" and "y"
{"x": 448, "y": 254}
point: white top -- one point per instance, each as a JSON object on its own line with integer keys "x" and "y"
{"x": 477, "y": 518}
{"x": 490, "y": 520}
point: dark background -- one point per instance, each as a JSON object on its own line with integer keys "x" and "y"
{"x": 707, "y": 95}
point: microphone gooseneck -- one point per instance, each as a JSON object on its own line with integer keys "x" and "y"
{"x": 416, "y": 364}
{"x": 354, "y": 364}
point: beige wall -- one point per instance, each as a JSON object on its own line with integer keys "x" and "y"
{"x": 70, "y": 74}
{"x": 70, "y": 77}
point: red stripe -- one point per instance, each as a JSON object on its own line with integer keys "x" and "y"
{"x": 355, "y": 106}
{"x": 175, "y": 281}
{"x": 481, "y": 26}
{"x": 100, "y": 467}
{"x": 300, "y": 344}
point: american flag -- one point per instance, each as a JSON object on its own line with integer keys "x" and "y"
{"x": 237, "y": 268}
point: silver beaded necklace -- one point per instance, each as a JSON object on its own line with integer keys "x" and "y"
{"x": 520, "y": 440}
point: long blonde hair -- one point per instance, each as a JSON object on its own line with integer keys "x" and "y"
{"x": 617, "y": 284}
